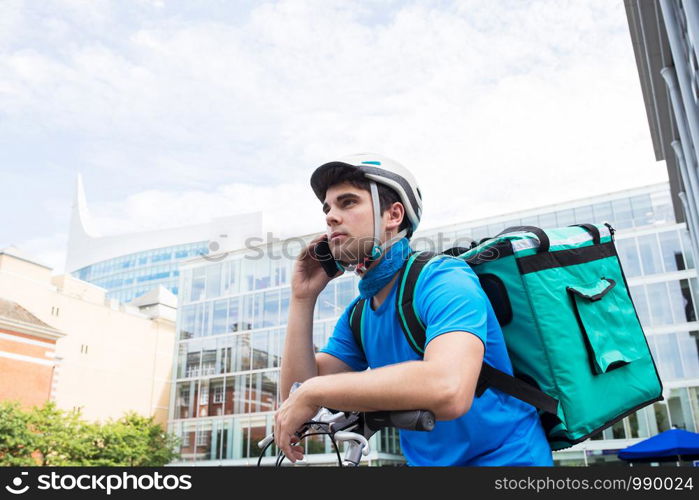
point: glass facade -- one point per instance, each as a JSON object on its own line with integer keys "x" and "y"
{"x": 231, "y": 324}
{"x": 232, "y": 318}
{"x": 635, "y": 211}
{"x": 129, "y": 276}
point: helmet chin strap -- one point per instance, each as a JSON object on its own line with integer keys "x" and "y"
{"x": 377, "y": 250}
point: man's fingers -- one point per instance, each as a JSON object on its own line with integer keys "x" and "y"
{"x": 309, "y": 251}
{"x": 295, "y": 453}
{"x": 289, "y": 446}
{"x": 284, "y": 446}
{"x": 276, "y": 430}
{"x": 292, "y": 452}
{"x": 298, "y": 452}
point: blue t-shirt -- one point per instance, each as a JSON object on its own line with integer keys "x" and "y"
{"x": 498, "y": 429}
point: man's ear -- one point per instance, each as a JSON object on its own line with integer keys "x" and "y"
{"x": 396, "y": 214}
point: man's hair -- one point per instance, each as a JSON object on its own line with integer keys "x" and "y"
{"x": 387, "y": 196}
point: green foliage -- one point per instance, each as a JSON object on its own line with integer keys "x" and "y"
{"x": 134, "y": 440}
{"x": 17, "y": 442}
{"x": 53, "y": 437}
{"x": 61, "y": 438}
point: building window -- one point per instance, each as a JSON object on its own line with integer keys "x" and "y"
{"x": 220, "y": 317}
{"x": 193, "y": 359}
{"x": 681, "y": 301}
{"x": 325, "y": 305}
{"x": 622, "y": 213}
{"x": 603, "y": 212}
{"x": 271, "y": 308}
{"x": 659, "y": 301}
{"x": 198, "y": 283}
{"x": 203, "y": 438}
{"x": 213, "y": 281}
{"x": 628, "y": 255}
{"x": 640, "y": 302}
{"x": 650, "y": 254}
{"x": 642, "y": 210}
{"x": 184, "y": 397}
{"x": 584, "y": 214}
{"x": 671, "y": 251}
{"x": 284, "y": 305}
{"x": 218, "y": 394}
{"x": 204, "y": 394}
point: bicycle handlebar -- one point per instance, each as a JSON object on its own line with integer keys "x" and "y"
{"x": 355, "y": 428}
{"x": 412, "y": 420}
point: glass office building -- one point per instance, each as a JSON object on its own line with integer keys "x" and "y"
{"x": 128, "y": 265}
{"x": 233, "y": 313}
{"x": 665, "y": 41}
{"x": 129, "y": 276}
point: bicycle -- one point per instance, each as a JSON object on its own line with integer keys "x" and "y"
{"x": 355, "y": 428}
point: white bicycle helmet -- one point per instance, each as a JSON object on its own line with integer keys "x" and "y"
{"x": 376, "y": 169}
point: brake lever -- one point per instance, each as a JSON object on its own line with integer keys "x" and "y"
{"x": 353, "y": 436}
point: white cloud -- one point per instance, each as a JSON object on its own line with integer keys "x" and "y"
{"x": 184, "y": 112}
{"x": 47, "y": 250}
{"x": 156, "y": 209}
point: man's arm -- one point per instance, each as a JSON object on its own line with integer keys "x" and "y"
{"x": 298, "y": 360}
{"x": 444, "y": 382}
{"x": 299, "y": 363}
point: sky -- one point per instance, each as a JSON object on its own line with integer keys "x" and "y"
{"x": 176, "y": 112}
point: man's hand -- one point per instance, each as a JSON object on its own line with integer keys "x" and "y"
{"x": 308, "y": 278}
{"x": 290, "y": 417}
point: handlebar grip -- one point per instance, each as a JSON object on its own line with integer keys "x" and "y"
{"x": 412, "y": 420}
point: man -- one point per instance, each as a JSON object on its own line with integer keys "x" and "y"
{"x": 372, "y": 206}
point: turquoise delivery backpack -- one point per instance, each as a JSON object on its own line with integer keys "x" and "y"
{"x": 576, "y": 344}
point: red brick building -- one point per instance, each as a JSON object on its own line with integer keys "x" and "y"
{"x": 28, "y": 365}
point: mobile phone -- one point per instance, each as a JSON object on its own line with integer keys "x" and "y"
{"x": 326, "y": 259}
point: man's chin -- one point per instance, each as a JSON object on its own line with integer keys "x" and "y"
{"x": 346, "y": 253}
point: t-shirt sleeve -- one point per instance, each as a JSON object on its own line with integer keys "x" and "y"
{"x": 342, "y": 345}
{"x": 448, "y": 298}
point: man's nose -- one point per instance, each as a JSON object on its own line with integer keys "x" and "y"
{"x": 331, "y": 218}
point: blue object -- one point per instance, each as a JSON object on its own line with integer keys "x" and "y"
{"x": 667, "y": 445}
{"x": 498, "y": 429}
{"x": 382, "y": 272}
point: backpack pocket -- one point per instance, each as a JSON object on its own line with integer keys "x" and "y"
{"x": 601, "y": 314}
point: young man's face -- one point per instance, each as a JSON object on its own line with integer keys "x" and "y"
{"x": 350, "y": 220}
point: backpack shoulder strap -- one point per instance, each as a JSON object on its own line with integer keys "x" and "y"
{"x": 355, "y": 321}
{"x": 411, "y": 324}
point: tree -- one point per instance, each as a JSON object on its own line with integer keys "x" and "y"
{"x": 134, "y": 440}
{"x": 61, "y": 437}
{"x": 16, "y": 440}
{"x": 51, "y": 436}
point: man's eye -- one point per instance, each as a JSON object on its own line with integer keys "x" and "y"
{"x": 347, "y": 202}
